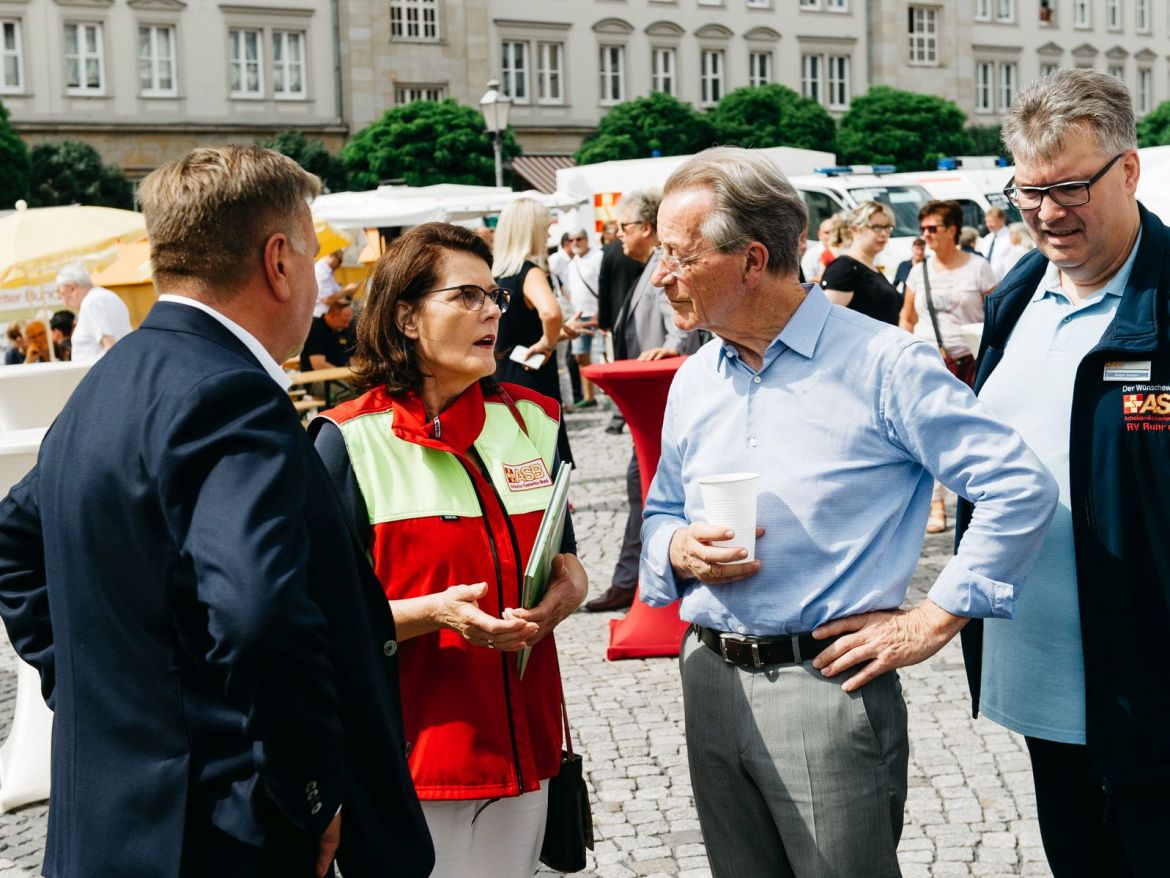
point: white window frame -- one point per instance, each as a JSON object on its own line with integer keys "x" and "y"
{"x": 157, "y": 63}
{"x": 83, "y": 56}
{"x": 414, "y": 20}
{"x": 811, "y": 5}
{"x": 286, "y": 65}
{"x": 11, "y": 25}
{"x": 664, "y": 76}
{"x": 1047, "y": 68}
{"x": 1082, "y": 14}
{"x": 1005, "y": 11}
{"x": 983, "y": 9}
{"x": 710, "y": 2}
{"x": 1113, "y": 15}
{"x": 760, "y": 68}
{"x": 407, "y": 94}
{"x": 1117, "y": 70}
{"x": 550, "y": 72}
{"x": 238, "y": 60}
{"x": 923, "y": 37}
{"x": 1141, "y": 16}
{"x": 612, "y": 73}
{"x": 836, "y": 5}
{"x": 514, "y": 65}
{"x": 837, "y": 81}
{"x": 759, "y": 4}
{"x": 712, "y": 76}
{"x": 1009, "y": 84}
{"x": 812, "y": 76}
{"x": 1144, "y": 94}
{"x": 984, "y": 86}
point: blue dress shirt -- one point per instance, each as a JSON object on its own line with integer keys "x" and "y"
{"x": 1033, "y": 676}
{"x": 848, "y": 421}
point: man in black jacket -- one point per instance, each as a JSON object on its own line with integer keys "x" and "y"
{"x": 1076, "y": 356}
{"x": 619, "y": 273}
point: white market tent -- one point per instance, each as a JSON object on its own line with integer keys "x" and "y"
{"x": 389, "y": 206}
{"x": 1154, "y": 184}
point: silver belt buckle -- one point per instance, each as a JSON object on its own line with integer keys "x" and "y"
{"x": 739, "y": 638}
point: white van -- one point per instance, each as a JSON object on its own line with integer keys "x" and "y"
{"x": 975, "y": 189}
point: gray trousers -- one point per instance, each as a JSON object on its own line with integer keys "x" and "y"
{"x": 625, "y": 572}
{"x": 793, "y": 777}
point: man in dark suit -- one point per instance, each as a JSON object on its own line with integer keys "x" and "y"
{"x": 618, "y": 275}
{"x": 217, "y": 653}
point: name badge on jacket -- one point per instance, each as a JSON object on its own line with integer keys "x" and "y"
{"x": 527, "y": 476}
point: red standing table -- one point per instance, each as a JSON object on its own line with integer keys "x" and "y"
{"x": 639, "y": 390}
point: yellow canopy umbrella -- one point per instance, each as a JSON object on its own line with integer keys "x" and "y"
{"x": 329, "y": 239}
{"x": 36, "y": 241}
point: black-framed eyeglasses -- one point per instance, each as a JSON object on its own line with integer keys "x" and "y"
{"x": 879, "y": 229}
{"x": 625, "y": 226}
{"x": 1071, "y": 193}
{"x": 930, "y": 228}
{"x": 473, "y": 296}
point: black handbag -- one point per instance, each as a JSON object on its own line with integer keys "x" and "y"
{"x": 568, "y": 829}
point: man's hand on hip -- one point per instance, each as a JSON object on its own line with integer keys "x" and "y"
{"x": 887, "y": 640}
{"x": 692, "y": 555}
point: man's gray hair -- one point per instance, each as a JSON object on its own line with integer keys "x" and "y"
{"x": 642, "y": 206}
{"x": 753, "y": 201}
{"x": 1070, "y": 100}
{"x": 74, "y": 273}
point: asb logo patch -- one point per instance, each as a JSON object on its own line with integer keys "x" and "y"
{"x": 527, "y": 476}
{"x": 1146, "y": 412}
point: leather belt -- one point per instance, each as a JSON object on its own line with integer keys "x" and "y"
{"x": 747, "y": 651}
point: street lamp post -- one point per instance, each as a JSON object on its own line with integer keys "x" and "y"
{"x": 495, "y": 108}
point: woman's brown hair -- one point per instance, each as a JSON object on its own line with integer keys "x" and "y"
{"x": 384, "y": 356}
{"x": 950, "y": 211}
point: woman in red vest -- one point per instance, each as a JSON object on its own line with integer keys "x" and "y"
{"x": 448, "y": 475}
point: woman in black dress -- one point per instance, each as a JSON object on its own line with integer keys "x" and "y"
{"x": 534, "y": 318}
{"x": 852, "y": 279}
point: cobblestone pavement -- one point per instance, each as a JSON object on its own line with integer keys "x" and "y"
{"x": 970, "y": 812}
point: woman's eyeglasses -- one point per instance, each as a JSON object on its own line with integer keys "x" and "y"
{"x": 473, "y": 296}
{"x": 879, "y": 229}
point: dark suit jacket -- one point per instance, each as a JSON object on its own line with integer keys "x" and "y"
{"x": 618, "y": 275}
{"x": 208, "y": 632}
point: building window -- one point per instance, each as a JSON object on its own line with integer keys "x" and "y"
{"x": 288, "y": 64}
{"x": 759, "y": 4}
{"x": 983, "y": 10}
{"x": 405, "y": 94}
{"x": 923, "y": 35}
{"x": 1005, "y": 10}
{"x": 1047, "y": 69}
{"x": 1117, "y": 72}
{"x": 1008, "y": 79}
{"x": 810, "y": 4}
{"x": 245, "y": 76}
{"x": 514, "y": 70}
{"x": 414, "y": 20}
{"x": 711, "y": 63}
{"x": 156, "y": 61}
{"x": 85, "y": 72}
{"x": 550, "y": 66}
{"x": 613, "y": 78}
{"x": 984, "y": 87}
{"x": 663, "y": 64}
{"x": 1113, "y": 14}
{"x": 810, "y": 77}
{"x": 759, "y": 68}
{"x": 1145, "y": 87}
{"x": 11, "y": 67}
{"x": 1141, "y": 16}
{"x": 837, "y": 5}
{"x": 1081, "y": 13}
{"x": 838, "y": 82}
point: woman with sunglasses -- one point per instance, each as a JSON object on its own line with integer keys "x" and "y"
{"x": 535, "y": 320}
{"x": 446, "y": 475}
{"x": 943, "y": 293}
{"x": 852, "y": 279}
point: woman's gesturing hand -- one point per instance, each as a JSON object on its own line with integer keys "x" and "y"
{"x": 569, "y": 585}
{"x": 457, "y": 608}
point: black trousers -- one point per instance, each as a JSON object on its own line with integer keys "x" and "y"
{"x": 1089, "y": 833}
{"x": 625, "y": 572}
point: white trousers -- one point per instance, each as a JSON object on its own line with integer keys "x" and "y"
{"x": 486, "y": 838}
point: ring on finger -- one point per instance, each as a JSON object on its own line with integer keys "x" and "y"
{"x": 491, "y": 644}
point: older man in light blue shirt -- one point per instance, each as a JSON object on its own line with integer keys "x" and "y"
{"x": 847, "y": 421}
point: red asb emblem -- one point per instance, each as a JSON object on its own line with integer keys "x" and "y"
{"x": 1131, "y": 403}
{"x": 1146, "y": 412}
{"x": 527, "y": 476}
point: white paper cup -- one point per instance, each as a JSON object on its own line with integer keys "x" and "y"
{"x": 729, "y": 500}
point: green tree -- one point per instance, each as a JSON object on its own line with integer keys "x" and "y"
{"x": 987, "y": 140}
{"x": 1154, "y": 128}
{"x": 903, "y": 128}
{"x": 14, "y": 163}
{"x": 312, "y": 156}
{"x": 773, "y": 115}
{"x": 71, "y": 172}
{"x": 425, "y": 142}
{"x": 635, "y": 129}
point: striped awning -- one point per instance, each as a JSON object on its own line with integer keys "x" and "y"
{"x": 540, "y": 171}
